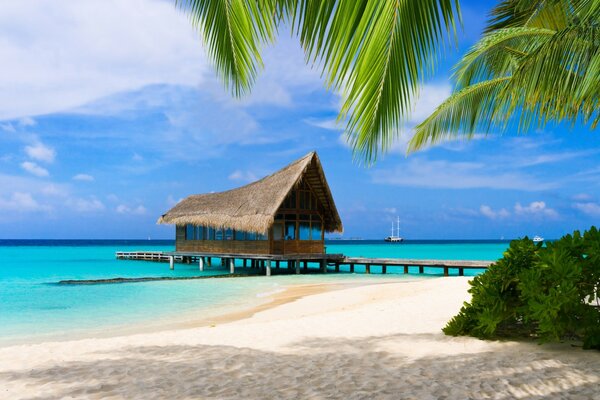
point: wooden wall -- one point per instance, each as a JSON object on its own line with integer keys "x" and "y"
{"x": 224, "y": 246}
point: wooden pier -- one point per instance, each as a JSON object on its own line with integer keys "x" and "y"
{"x": 301, "y": 262}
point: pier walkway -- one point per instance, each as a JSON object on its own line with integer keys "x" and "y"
{"x": 303, "y": 262}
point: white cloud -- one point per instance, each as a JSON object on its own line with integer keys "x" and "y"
{"x": 329, "y": 124}
{"x": 83, "y": 177}
{"x": 589, "y": 208}
{"x": 535, "y": 208}
{"x": 124, "y": 209}
{"x": 34, "y": 169}
{"x": 421, "y": 172}
{"x": 85, "y": 205}
{"x": 41, "y": 152}
{"x": 490, "y": 213}
{"x": 430, "y": 97}
{"x": 390, "y": 210}
{"x": 582, "y": 197}
{"x": 242, "y": 176}
{"x": 21, "y": 202}
{"x": 59, "y": 54}
{"x": 171, "y": 200}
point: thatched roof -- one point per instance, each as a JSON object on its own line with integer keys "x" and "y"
{"x": 253, "y": 207}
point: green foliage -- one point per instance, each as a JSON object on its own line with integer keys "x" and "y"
{"x": 549, "y": 293}
{"x": 375, "y": 53}
{"x": 538, "y": 62}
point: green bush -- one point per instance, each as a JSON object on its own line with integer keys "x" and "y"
{"x": 550, "y": 293}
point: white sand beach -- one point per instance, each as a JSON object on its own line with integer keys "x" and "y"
{"x": 370, "y": 342}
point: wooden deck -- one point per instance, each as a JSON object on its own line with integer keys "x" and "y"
{"x": 406, "y": 263}
{"x": 294, "y": 261}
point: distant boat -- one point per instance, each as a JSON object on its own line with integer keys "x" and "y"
{"x": 395, "y": 238}
{"x": 537, "y": 239}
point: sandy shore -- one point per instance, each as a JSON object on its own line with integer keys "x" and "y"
{"x": 368, "y": 342}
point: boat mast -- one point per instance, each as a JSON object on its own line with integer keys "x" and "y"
{"x": 392, "y": 229}
{"x": 398, "y": 230}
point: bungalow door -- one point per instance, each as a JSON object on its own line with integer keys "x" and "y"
{"x": 278, "y": 244}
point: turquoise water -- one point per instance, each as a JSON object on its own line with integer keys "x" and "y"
{"x": 34, "y": 308}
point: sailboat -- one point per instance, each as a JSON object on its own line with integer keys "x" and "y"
{"x": 395, "y": 238}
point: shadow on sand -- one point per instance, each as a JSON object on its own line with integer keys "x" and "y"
{"x": 318, "y": 369}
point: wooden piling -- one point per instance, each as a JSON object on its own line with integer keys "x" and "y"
{"x": 383, "y": 269}
{"x": 367, "y": 268}
{"x": 406, "y": 269}
{"x": 351, "y": 267}
{"x": 171, "y": 262}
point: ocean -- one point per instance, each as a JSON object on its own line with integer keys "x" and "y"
{"x": 34, "y": 308}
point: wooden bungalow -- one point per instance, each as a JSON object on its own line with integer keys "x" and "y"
{"x": 285, "y": 213}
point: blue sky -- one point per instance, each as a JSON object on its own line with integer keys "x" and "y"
{"x": 110, "y": 113}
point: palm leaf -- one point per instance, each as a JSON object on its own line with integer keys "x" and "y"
{"x": 480, "y": 105}
{"x": 497, "y": 53}
{"x": 233, "y": 32}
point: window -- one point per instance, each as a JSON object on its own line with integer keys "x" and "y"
{"x": 240, "y": 235}
{"x": 189, "y": 232}
{"x": 277, "y": 231}
{"x": 290, "y": 230}
{"x": 315, "y": 231}
{"x": 261, "y": 236}
{"x": 219, "y": 234}
{"x": 304, "y": 230}
{"x": 199, "y": 233}
{"x": 250, "y": 236}
{"x": 228, "y": 234}
{"x": 210, "y": 233}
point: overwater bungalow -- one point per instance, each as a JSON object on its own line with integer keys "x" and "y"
{"x": 284, "y": 214}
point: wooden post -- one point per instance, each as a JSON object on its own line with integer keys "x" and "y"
{"x": 171, "y": 262}
{"x": 208, "y": 261}
{"x": 351, "y": 267}
{"x": 323, "y": 266}
{"x": 406, "y": 269}
{"x": 277, "y": 264}
{"x": 291, "y": 264}
{"x": 421, "y": 269}
{"x": 337, "y": 267}
{"x": 231, "y": 265}
{"x": 201, "y": 263}
{"x": 368, "y": 268}
{"x": 305, "y": 265}
{"x": 383, "y": 269}
{"x": 297, "y": 265}
{"x": 461, "y": 272}
{"x": 268, "y": 269}
{"x": 245, "y": 264}
{"x": 445, "y": 270}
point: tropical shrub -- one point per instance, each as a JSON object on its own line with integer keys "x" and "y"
{"x": 549, "y": 293}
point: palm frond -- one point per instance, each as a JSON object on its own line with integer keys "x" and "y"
{"x": 233, "y": 32}
{"x": 498, "y": 53}
{"x": 480, "y": 105}
{"x": 375, "y": 53}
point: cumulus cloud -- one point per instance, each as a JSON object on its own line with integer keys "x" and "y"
{"x": 490, "y": 213}
{"x": 41, "y": 152}
{"x": 48, "y": 64}
{"x": 535, "y": 208}
{"x": 242, "y": 176}
{"x": 34, "y": 169}
{"x": 83, "y": 177}
{"x": 22, "y": 202}
{"x": 125, "y": 209}
{"x": 589, "y": 208}
{"x": 85, "y": 205}
{"x": 171, "y": 200}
